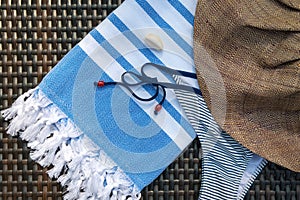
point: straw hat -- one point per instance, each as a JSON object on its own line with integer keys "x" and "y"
{"x": 247, "y": 56}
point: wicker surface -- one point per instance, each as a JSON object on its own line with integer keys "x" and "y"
{"x": 34, "y": 37}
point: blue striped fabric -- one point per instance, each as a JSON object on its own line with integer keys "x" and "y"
{"x": 141, "y": 143}
{"x": 228, "y": 168}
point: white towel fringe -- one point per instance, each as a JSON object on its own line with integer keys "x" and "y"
{"x": 78, "y": 164}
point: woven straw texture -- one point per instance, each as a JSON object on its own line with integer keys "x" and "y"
{"x": 34, "y": 36}
{"x": 255, "y": 51}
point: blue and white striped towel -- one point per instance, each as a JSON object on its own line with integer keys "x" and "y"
{"x": 104, "y": 143}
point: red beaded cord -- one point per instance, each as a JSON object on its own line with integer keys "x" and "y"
{"x": 158, "y": 107}
{"x": 100, "y": 83}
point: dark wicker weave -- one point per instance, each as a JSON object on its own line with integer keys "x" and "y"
{"x": 34, "y": 37}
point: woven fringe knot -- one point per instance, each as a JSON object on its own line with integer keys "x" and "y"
{"x": 78, "y": 164}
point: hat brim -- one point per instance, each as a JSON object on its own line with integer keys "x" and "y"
{"x": 254, "y": 121}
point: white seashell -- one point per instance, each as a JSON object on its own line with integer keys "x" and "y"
{"x": 154, "y": 41}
